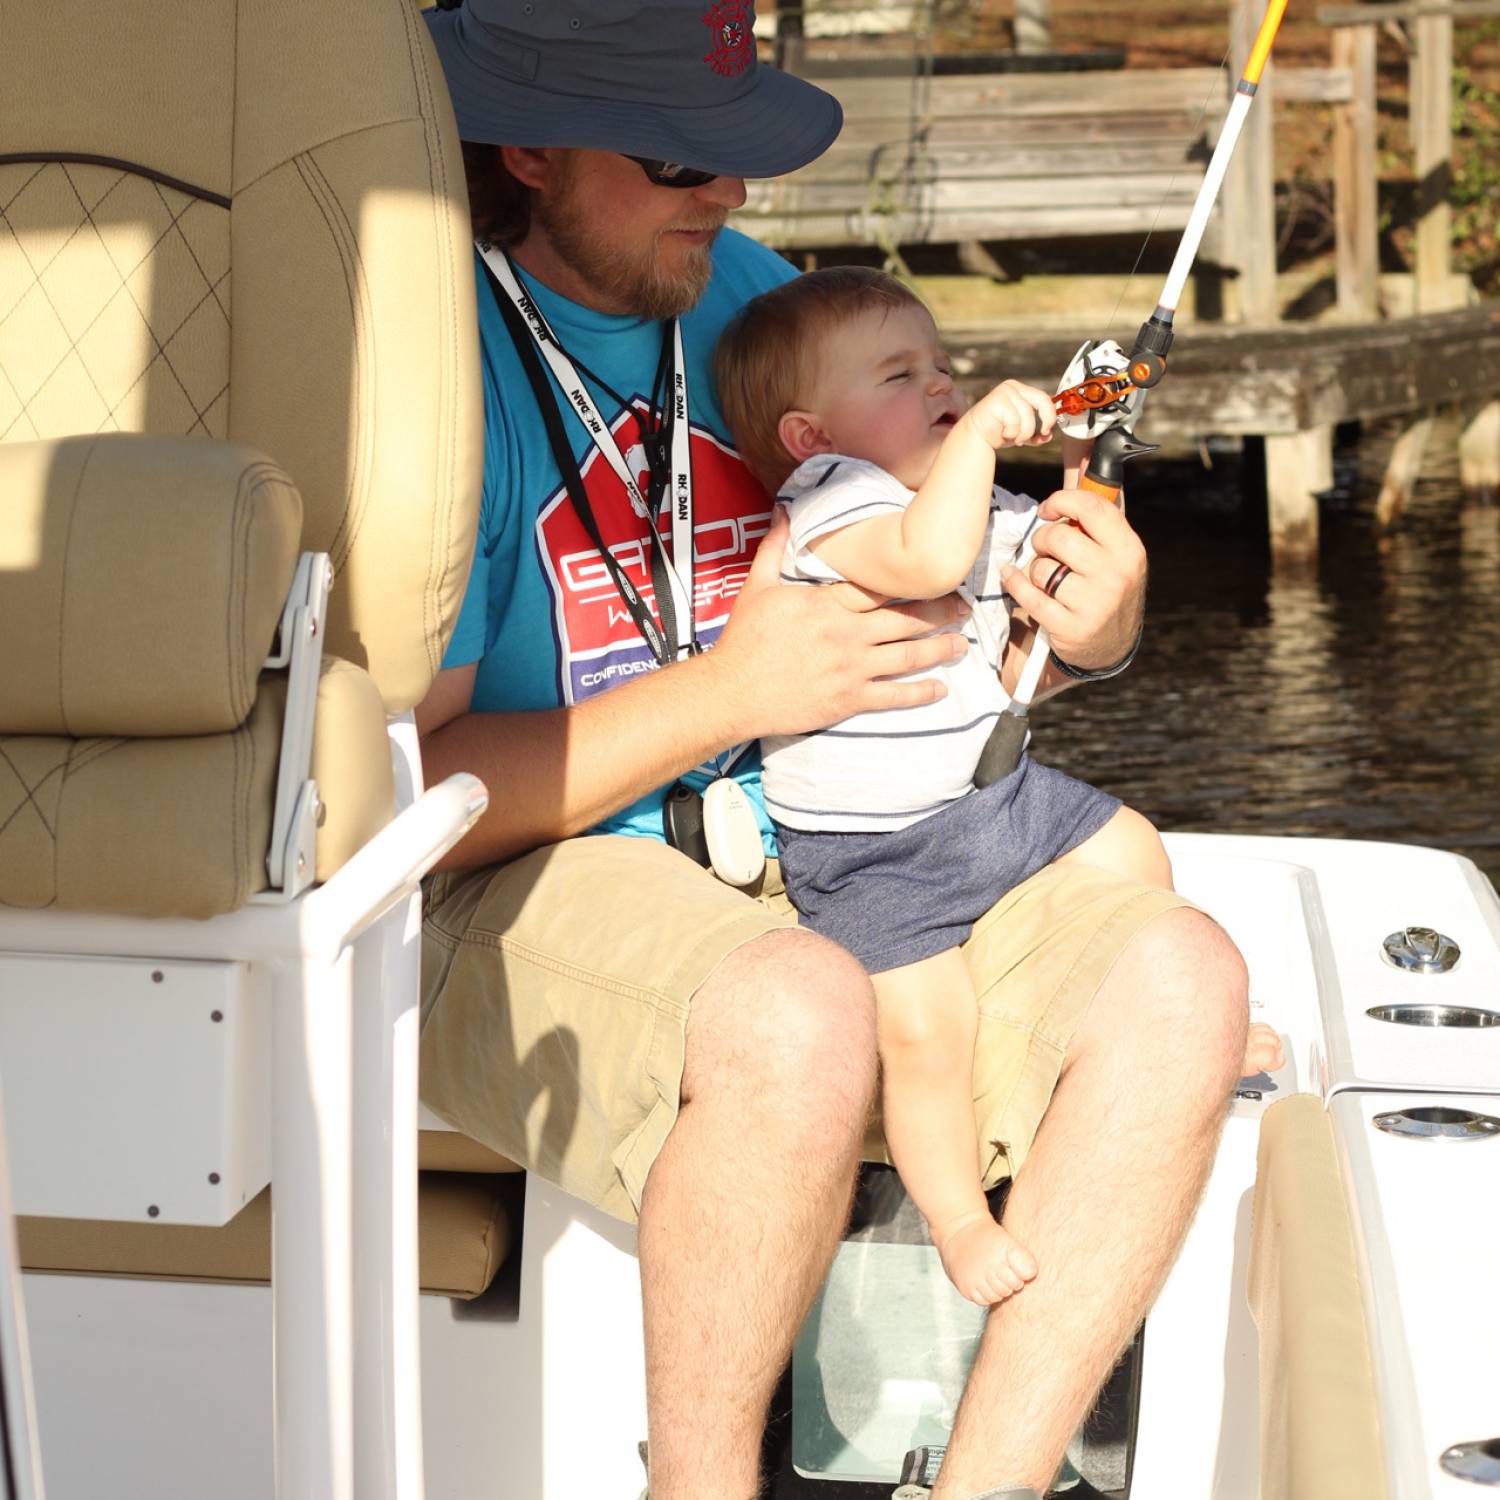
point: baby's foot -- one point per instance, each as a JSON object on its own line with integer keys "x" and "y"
{"x": 1263, "y": 1052}
{"x": 985, "y": 1262}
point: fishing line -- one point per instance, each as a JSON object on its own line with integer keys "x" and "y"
{"x": 1167, "y": 191}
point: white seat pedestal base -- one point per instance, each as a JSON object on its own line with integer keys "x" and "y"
{"x": 163, "y": 1389}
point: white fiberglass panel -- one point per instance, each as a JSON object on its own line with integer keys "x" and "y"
{"x": 1426, "y": 1218}
{"x": 1361, "y": 893}
{"x": 135, "y": 1089}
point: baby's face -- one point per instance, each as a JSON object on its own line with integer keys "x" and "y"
{"x": 885, "y": 391}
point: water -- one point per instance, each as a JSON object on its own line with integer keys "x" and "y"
{"x": 1358, "y": 699}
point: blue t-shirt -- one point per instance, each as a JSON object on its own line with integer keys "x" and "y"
{"x": 541, "y": 615}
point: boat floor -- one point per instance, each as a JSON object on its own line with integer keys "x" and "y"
{"x": 833, "y": 1419}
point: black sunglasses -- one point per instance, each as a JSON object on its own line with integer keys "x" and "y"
{"x": 671, "y": 174}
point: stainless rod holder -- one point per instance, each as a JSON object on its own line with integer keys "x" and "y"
{"x": 1438, "y": 1122}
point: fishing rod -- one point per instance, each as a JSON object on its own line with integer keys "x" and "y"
{"x": 1104, "y": 390}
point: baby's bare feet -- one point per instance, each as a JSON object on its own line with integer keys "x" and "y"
{"x": 1263, "y": 1052}
{"x": 985, "y": 1262}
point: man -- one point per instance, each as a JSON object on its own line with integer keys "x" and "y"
{"x": 602, "y": 1008}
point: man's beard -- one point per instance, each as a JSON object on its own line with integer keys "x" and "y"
{"x": 629, "y": 281}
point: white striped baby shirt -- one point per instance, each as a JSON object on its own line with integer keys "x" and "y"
{"x": 880, "y": 771}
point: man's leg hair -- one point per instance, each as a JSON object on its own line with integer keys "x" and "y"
{"x": 1105, "y": 1197}
{"x": 743, "y": 1208}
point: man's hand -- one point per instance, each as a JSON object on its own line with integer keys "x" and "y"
{"x": 801, "y": 657}
{"x": 1096, "y": 614}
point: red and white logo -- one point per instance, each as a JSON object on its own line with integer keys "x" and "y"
{"x": 731, "y": 23}
{"x": 598, "y": 643}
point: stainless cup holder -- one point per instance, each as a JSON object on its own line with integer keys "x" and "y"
{"x": 1478, "y": 1462}
{"x": 1439, "y": 1122}
{"x": 1433, "y": 1014}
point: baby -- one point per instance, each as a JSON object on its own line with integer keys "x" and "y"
{"x": 842, "y": 403}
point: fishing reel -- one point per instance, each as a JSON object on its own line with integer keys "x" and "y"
{"x": 1099, "y": 397}
{"x": 1096, "y": 391}
{"x": 1100, "y": 388}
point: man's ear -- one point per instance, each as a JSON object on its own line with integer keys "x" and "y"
{"x": 802, "y": 435}
{"x": 531, "y": 166}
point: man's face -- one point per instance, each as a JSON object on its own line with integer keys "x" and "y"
{"x": 640, "y": 248}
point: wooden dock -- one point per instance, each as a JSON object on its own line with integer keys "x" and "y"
{"x": 980, "y": 159}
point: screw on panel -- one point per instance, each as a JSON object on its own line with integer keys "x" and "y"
{"x": 213, "y": 1177}
{"x": 216, "y": 1015}
{"x": 157, "y": 976}
{"x": 153, "y": 1211}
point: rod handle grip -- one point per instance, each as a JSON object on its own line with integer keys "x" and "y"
{"x": 1111, "y": 492}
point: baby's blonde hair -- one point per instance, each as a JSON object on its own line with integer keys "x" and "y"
{"x": 767, "y": 357}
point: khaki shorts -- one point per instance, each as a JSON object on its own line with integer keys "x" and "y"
{"x": 556, "y": 988}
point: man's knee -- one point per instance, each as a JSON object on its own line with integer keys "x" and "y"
{"x": 789, "y": 1015}
{"x": 1183, "y": 984}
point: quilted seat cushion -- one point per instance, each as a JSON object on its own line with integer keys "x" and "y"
{"x": 181, "y": 826}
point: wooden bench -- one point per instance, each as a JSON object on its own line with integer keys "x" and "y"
{"x": 1012, "y": 156}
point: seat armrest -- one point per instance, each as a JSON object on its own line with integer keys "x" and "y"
{"x": 141, "y": 582}
{"x": 392, "y": 863}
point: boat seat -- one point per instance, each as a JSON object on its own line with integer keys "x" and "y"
{"x": 240, "y": 458}
{"x": 140, "y": 736}
{"x": 464, "y": 1224}
{"x": 464, "y": 1236}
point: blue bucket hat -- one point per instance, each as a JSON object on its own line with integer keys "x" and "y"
{"x": 672, "y": 80}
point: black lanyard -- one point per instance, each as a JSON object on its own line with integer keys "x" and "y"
{"x": 663, "y": 642}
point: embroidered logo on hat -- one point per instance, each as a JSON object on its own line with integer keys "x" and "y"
{"x": 733, "y": 48}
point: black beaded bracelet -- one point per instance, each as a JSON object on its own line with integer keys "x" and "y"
{"x": 1098, "y": 674}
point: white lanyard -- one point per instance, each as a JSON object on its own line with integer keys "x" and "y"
{"x": 582, "y": 405}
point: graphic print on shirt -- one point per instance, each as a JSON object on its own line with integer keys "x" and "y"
{"x": 598, "y": 644}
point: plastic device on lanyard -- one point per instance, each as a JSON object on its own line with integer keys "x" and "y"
{"x": 732, "y": 833}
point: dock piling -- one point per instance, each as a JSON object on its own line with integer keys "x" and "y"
{"x": 1479, "y": 454}
{"x": 1402, "y": 469}
{"x": 1299, "y": 467}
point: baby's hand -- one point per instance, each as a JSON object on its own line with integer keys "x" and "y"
{"x": 1014, "y": 416}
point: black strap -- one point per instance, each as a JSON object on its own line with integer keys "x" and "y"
{"x": 1099, "y": 674}
{"x": 662, "y": 647}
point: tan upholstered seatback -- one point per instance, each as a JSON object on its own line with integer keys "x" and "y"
{"x": 245, "y": 219}
{"x": 1319, "y": 1412}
